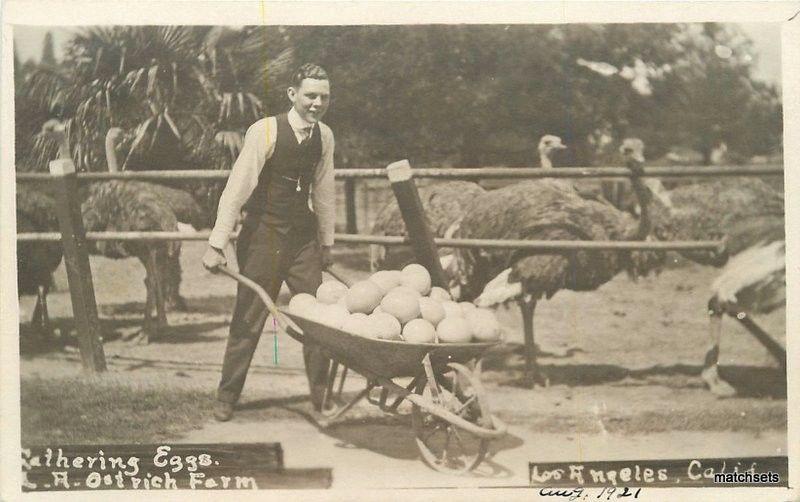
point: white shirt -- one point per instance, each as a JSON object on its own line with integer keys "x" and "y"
{"x": 259, "y": 145}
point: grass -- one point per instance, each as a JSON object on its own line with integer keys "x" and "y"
{"x": 108, "y": 410}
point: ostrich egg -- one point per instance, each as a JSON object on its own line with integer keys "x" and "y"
{"x": 454, "y": 330}
{"x": 417, "y": 277}
{"x": 419, "y": 331}
{"x": 387, "y": 279}
{"x": 431, "y": 310}
{"x": 329, "y": 292}
{"x": 363, "y": 297}
{"x": 400, "y": 305}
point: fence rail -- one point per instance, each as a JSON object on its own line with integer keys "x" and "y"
{"x": 541, "y": 245}
{"x": 447, "y": 173}
{"x": 73, "y": 237}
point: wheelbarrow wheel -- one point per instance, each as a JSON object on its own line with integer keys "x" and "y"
{"x": 444, "y": 446}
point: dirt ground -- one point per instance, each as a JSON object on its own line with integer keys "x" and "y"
{"x": 623, "y": 364}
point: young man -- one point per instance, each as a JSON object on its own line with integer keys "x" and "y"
{"x": 281, "y": 239}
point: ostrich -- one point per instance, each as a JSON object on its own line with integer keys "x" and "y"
{"x": 750, "y": 218}
{"x": 125, "y": 206}
{"x": 444, "y": 204}
{"x": 188, "y": 213}
{"x": 549, "y": 210}
{"x": 128, "y": 206}
{"x": 36, "y": 261}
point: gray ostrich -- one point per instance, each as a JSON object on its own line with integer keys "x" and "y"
{"x": 749, "y": 216}
{"x": 187, "y": 211}
{"x": 129, "y": 206}
{"x": 444, "y": 205}
{"x": 125, "y": 206}
{"x": 549, "y": 210}
{"x": 36, "y": 261}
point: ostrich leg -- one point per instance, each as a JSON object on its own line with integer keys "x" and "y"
{"x": 532, "y": 374}
{"x": 710, "y": 373}
{"x": 155, "y": 299}
{"x": 148, "y": 328}
{"x": 158, "y": 264}
{"x": 172, "y": 284}
{"x": 41, "y": 318}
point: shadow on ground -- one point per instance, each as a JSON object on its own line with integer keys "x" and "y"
{"x": 369, "y": 429}
{"x": 506, "y": 367}
{"x": 34, "y": 342}
{"x": 206, "y": 305}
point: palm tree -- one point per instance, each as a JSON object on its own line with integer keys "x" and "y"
{"x": 173, "y": 89}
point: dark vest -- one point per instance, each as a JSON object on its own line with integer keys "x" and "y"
{"x": 282, "y": 191}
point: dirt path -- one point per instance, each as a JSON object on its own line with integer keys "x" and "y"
{"x": 380, "y": 455}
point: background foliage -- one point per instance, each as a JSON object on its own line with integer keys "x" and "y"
{"x": 463, "y": 95}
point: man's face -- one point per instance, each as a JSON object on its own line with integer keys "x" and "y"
{"x": 311, "y": 99}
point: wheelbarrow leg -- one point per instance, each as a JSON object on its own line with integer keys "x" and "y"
{"x": 399, "y": 399}
{"x": 341, "y": 383}
{"x": 335, "y": 414}
{"x": 333, "y": 368}
{"x": 431, "y": 377}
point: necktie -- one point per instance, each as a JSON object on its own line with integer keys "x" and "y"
{"x": 307, "y": 133}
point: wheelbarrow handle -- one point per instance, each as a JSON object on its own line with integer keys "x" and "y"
{"x": 283, "y": 321}
{"x": 338, "y": 275}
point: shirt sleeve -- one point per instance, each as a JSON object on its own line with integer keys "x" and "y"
{"x": 323, "y": 195}
{"x": 259, "y": 143}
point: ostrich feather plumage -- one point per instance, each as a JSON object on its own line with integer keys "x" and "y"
{"x": 749, "y": 216}
{"x": 182, "y": 203}
{"x": 546, "y": 210}
{"x": 36, "y": 261}
{"x": 444, "y": 204}
{"x": 755, "y": 279}
{"x": 125, "y": 206}
{"x": 743, "y": 212}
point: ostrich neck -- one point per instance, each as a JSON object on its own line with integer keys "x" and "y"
{"x": 111, "y": 154}
{"x": 544, "y": 160}
{"x": 644, "y": 197}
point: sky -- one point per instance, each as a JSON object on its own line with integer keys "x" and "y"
{"x": 766, "y": 38}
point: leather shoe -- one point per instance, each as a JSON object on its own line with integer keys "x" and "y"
{"x": 223, "y": 411}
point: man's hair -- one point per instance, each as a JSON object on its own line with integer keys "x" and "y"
{"x": 308, "y": 70}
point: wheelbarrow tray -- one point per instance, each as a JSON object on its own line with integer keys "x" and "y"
{"x": 383, "y": 358}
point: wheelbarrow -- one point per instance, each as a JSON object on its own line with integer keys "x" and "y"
{"x": 450, "y": 415}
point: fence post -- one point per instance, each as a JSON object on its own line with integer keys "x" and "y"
{"x": 76, "y": 261}
{"x": 413, "y": 213}
{"x": 350, "y": 205}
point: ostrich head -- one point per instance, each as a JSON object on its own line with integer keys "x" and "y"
{"x": 632, "y": 149}
{"x": 547, "y": 145}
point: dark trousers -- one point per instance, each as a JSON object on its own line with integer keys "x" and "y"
{"x": 270, "y": 255}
